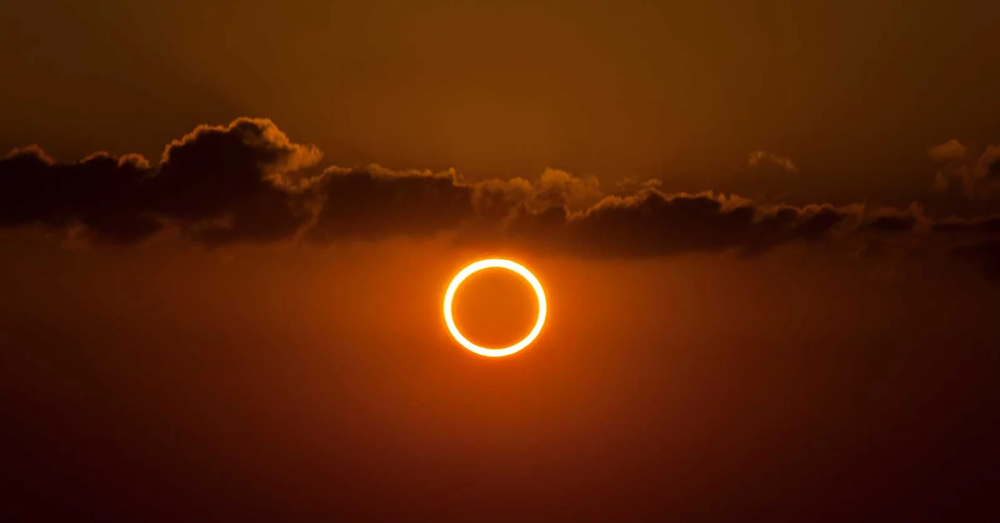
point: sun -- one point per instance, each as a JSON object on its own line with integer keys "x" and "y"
{"x": 473, "y": 268}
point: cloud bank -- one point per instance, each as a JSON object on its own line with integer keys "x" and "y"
{"x": 247, "y": 182}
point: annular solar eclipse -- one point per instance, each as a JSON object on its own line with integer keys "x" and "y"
{"x": 473, "y": 268}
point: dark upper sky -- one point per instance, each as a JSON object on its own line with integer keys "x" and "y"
{"x": 854, "y": 92}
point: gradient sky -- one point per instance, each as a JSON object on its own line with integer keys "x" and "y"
{"x": 854, "y": 92}
{"x": 769, "y": 234}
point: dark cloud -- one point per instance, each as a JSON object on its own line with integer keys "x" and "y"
{"x": 372, "y": 203}
{"x": 652, "y": 223}
{"x": 234, "y": 183}
{"x": 649, "y": 224}
{"x": 900, "y": 223}
{"x": 962, "y": 225}
{"x": 783, "y": 224}
{"x": 103, "y": 194}
{"x": 817, "y": 222}
{"x": 218, "y": 184}
{"x": 892, "y": 220}
{"x": 247, "y": 182}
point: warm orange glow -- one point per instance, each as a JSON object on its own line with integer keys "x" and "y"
{"x": 449, "y": 297}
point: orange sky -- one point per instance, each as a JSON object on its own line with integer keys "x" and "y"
{"x": 300, "y": 383}
{"x": 769, "y": 235}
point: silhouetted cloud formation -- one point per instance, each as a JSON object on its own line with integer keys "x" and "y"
{"x": 233, "y": 183}
{"x": 218, "y": 184}
{"x": 247, "y": 182}
{"x": 373, "y": 203}
{"x": 962, "y": 225}
{"x": 103, "y": 194}
{"x": 890, "y": 220}
{"x": 652, "y": 223}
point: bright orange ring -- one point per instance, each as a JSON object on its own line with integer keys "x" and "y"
{"x": 449, "y": 297}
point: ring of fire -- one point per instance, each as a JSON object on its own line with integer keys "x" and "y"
{"x": 449, "y": 297}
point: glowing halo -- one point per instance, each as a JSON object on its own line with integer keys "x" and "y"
{"x": 449, "y": 297}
